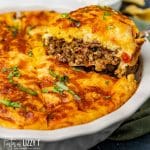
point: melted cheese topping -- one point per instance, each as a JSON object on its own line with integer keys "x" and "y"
{"x": 110, "y": 28}
{"x": 25, "y": 77}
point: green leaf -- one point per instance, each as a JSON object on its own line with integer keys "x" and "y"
{"x": 61, "y": 85}
{"x": 64, "y": 79}
{"x": 105, "y": 14}
{"x": 75, "y": 22}
{"x": 10, "y": 77}
{"x": 45, "y": 90}
{"x": 27, "y": 90}
{"x": 77, "y": 97}
{"x": 60, "y": 78}
{"x": 52, "y": 73}
{"x": 30, "y": 53}
{"x": 14, "y": 73}
{"x": 9, "y": 103}
{"x": 64, "y": 15}
{"x": 57, "y": 89}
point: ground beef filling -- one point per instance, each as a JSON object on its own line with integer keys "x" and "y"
{"x": 79, "y": 53}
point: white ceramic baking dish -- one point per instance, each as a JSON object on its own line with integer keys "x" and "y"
{"x": 82, "y": 136}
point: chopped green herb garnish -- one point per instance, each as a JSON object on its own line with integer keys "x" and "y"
{"x": 57, "y": 89}
{"x": 9, "y": 103}
{"x": 30, "y": 53}
{"x": 45, "y": 90}
{"x": 58, "y": 77}
{"x": 10, "y": 77}
{"x": 106, "y": 13}
{"x": 64, "y": 79}
{"x": 52, "y": 73}
{"x": 62, "y": 86}
{"x": 74, "y": 94}
{"x": 71, "y": 92}
{"x": 14, "y": 73}
{"x": 75, "y": 22}
{"x": 27, "y": 90}
{"x": 13, "y": 29}
{"x": 65, "y": 15}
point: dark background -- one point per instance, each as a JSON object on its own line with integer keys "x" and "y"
{"x": 141, "y": 143}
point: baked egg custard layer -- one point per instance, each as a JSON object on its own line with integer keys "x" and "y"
{"x": 38, "y": 90}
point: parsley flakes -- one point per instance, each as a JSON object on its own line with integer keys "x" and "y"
{"x": 106, "y": 14}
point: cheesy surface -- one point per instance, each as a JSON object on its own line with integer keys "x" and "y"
{"x": 93, "y": 24}
{"x": 37, "y": 91}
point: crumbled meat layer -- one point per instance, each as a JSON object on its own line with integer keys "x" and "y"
{"x": 79, "y": 53}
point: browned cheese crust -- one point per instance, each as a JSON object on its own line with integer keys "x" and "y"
{"x": 39, "y": 92}
{"x": 94, "y": 36}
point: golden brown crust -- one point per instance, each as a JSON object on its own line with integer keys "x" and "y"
{"x": 103, "y": 25}
{"x": 24, "y": 65}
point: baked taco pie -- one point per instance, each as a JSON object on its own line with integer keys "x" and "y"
{"x": 59, "y": 70}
